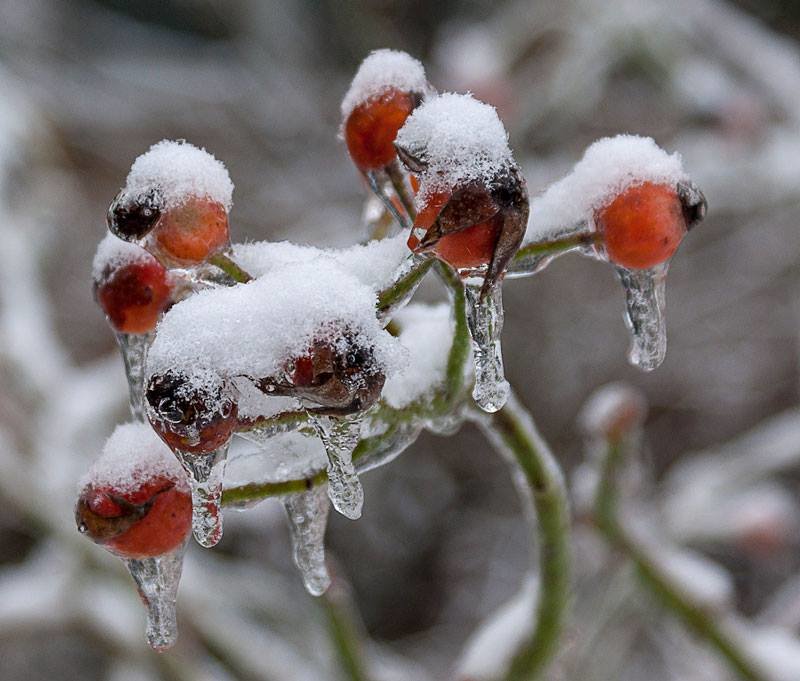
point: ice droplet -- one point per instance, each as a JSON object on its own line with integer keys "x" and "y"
{"x": 157, "y": 583}
{"x": 485, "y": 319}
{"x": 134, "y": 356}
{"x": 206, "y": 473}
{"x": 308, "y": 517}
{"x": 644, "y": 303}
{"x": 340, "y": 435}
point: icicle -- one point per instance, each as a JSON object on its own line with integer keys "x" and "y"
{"x": 644, "y": 301}
{"x": 485, "y": 318}
{"x": 308, "y": 517}
{"x": 134, "y": 355}
{"x": 340, "y": 435}
{"x": 157, "y": 583}
{"x": 206, "y": 473}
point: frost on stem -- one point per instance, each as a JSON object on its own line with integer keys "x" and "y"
{"x": 472, "y": 211}
{"x": 135, "y": 502}
{"x": 630, "y": 203}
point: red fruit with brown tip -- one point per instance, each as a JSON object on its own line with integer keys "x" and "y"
{"x": 150, "y": 520}
{"x": 372, "y": 126}
{"x": 193, "y": 231}
{"x": 133, "y": 295}
{"x": 643, "y": 226}
{"x": 471, "y": 248}
{"x": 191, "y": 419}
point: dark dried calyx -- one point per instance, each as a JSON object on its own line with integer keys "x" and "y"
{"x": 693, "y": 203}
{"x": 132, "y": 218}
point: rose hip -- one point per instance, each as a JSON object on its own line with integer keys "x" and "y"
{"x": 372, "y": 126}
{"x": 150, "y": 520}
{"x": 193, "y": 231}
{"x": 643, "y": 226}
{"x": 134, "y": 294}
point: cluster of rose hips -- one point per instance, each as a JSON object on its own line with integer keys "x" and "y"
{"x": 475, "y": 225}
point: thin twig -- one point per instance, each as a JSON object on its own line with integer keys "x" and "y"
{"x": 230, "y": 268}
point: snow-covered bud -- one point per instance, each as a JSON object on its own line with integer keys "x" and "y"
{"x": 613, "y": 412}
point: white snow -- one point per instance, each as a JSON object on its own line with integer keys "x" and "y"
{"x": 133, "y": 455}
{"x": 383, "y": 70}
{"x": 179, "y": 171}
{"x": 609, "y": 166}
{"x": 462, "y": 140}
{"x": 113, "y": 252}
{"x": 776, "y": 651}
{"x": 374, "y": 263}
{"x": 704, "y": 582}
{"x": 254, "y": 329}
{"x": 427, "y": 332}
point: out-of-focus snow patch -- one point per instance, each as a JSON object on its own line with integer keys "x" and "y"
{"x": 489, "y": 651}
{"x": 704, "y": 582}
{"x": 179, "y": 171}
{"x": 460, "y": 138}
{"x": 427, "y": 332}
{"x": 776, "y": 651}
{"x": 132, "y": 456}
{"x": 609, "y": 166}
{"x": 610, "y": 407}
{"x": 383, "y": 70}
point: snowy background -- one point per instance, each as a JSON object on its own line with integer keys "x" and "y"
{"x": 87, "y": 85}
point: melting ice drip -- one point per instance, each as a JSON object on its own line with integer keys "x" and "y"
{"x": 645, "y": 303}
{"x": 308, "y": 517}
{"x": 134, "y": 355}
{"x": 340, "y": 435}
{"x": 206, "y": 472}
{"x": 157, "y": 583}
{"x": 485, "y": 319}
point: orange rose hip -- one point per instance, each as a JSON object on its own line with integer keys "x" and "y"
{"x": 642, "y": 226}
{"x": 193, "y": 230}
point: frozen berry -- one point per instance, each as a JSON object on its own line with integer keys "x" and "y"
{"x": 134, "y": 294}
{"x": 150, "y": 520}
{"x": 192, "y": 231}
{"x": 371, "y": 127}
{"x": 642, "y": 226}
{"x": 192, "y": 418}
{"x": 132, "y": 218}
{"x": 340, "y": 379}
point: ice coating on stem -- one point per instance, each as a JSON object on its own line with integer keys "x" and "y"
{"x": 609, "y": 166}
{"x": 380, "y": 71}
{"x": 206, "y": 473}
{"x": 459, "y": 139}
{"x": 485, "y": 319}
{"x": 276, "y": 457}
{"x": 307, "y": 513}
{"x": 178, "y": 171}
{"x": 131, "y": 457}
{"x": 645, "y": 303}
{"x": 340, "y": 436}
{"x": 133, "y": 348}
{"x": 157, "y": 582}
{"x": 255, "y": 329}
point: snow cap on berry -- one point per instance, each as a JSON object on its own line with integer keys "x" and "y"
{"x": 459, "y": 138}
{"x": 112, "y": 252}
{"x": 133, "y": 456}
{"x": 178, "y": 171}
{"x": 608, "y": 167}
{"x": 255, "y": 329}
{"x": 383, "y": 70}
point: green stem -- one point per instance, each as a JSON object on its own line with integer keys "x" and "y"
{"x": 513, "y": 432}
{"x": 694, "y": 616}
{"x": 528, "y": 256}
{"x": 343, "y": 634}
{"x": 230, "y": 268}
{"x": 398, "y": 180}
{"x": 405, "y": 286}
